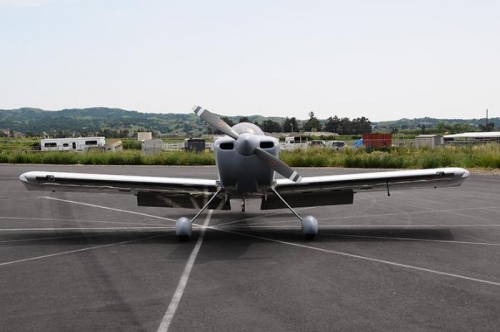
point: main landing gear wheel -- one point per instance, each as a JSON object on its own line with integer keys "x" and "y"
{"x": 309, "y": 223}
{"x": 183, "y": 229}
{"x": 309, "y": 227}
{"x": 184, "y": 226}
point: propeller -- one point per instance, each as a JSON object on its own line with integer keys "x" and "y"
{"x": 275, "y": 163}
{"x": 215, "y": 121}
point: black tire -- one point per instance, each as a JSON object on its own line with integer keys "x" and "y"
{"x": 309, "y": 237}
{"x": 183, "y": 238}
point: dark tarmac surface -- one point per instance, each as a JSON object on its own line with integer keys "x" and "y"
{"x": 419, "y": 260}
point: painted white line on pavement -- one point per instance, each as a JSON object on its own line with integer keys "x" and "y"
{"x": 176, "y": 299}
{"x": 107, "y": 208}
{"x": 82, "y": 228}
{"x": 413, "y": 239}
{"x": 78, "y": 250}
{"x": 78, "y": 220}
{"x": 363, "y": 257}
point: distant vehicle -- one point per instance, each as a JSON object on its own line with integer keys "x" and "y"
{"x": 194, "y": 144}
{"x": 72, "y": 144}
{"x": 317, "y": 144}
{"x": 336, "y": 145}
{"x": 293, "y": 142}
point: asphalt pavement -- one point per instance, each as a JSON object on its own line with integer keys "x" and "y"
{"x": 419, "y": 260}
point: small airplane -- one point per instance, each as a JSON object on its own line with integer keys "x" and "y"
{"x": 246, "y": 161}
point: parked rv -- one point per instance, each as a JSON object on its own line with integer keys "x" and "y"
{"x": 72, "y": 144}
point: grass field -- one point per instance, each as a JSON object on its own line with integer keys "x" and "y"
{"x": 479, "y": 156}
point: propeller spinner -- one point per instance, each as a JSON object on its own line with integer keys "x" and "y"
{"x": 275, "y": 163}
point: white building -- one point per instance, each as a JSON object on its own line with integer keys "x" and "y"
{"x": 144, "y": 135}
{"x": 472, "y": 138}
{"x": 428, "y": 140}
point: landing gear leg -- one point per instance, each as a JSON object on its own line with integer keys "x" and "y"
{"x": 309, "y": 223}
{"x": 184, "y": 226}
{"x": 243, "y": 204}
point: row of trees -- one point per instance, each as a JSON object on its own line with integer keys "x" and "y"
{"x": 450, "y": 128}
{"x": 341, "y": 126}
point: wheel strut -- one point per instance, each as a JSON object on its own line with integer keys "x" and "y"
{"x": 309, "y": 223}
{"x": 184, "y": 226}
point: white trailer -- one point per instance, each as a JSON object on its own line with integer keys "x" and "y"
{"x": 72, "y": 144}
{"x": 293, "y": 142}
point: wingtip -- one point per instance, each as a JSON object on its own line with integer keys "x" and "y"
{"x": 23, "y": 178}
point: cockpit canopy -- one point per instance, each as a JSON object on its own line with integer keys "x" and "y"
{"x": 247, "y": 127}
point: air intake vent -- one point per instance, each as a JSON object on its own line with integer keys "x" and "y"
{"x": 227, "y": 146}
{"x": 266, "y": 145}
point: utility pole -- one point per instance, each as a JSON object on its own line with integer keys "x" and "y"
{"x": 486, "y": 120}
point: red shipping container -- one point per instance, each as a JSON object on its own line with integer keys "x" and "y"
{"x": 377, "y": 140}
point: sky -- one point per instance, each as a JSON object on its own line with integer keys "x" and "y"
{"x": 381, "y": 59}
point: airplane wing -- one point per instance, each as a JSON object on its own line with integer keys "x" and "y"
{"x": 340, "y": 189}
{"x": 194, "y": 193}
{"x": 150, "y": 191}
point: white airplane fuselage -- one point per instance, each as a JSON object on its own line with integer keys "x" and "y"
{"x": 241, "y": 172}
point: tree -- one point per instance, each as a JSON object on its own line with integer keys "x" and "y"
{"x": 290, "y": 125}
{"x": 441, "y": 127}
{"x": 361, "y": 126}
{"x": 227, "y": 120}
{"x": 270, "y": 126}
{"x": 332, "y": 124}
{"x": 488, "y": 127}
{"x": 312, "y": 124}
{"x": 244, "y": 119}
{"x": 345, "y": 127}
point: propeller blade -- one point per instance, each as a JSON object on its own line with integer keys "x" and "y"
{"x": 279, "y": 166}
{"x": 215, "y": 121}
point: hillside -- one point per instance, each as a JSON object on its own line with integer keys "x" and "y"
{"x": 91, "y": 120}
{"x": 94, "y": 119}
